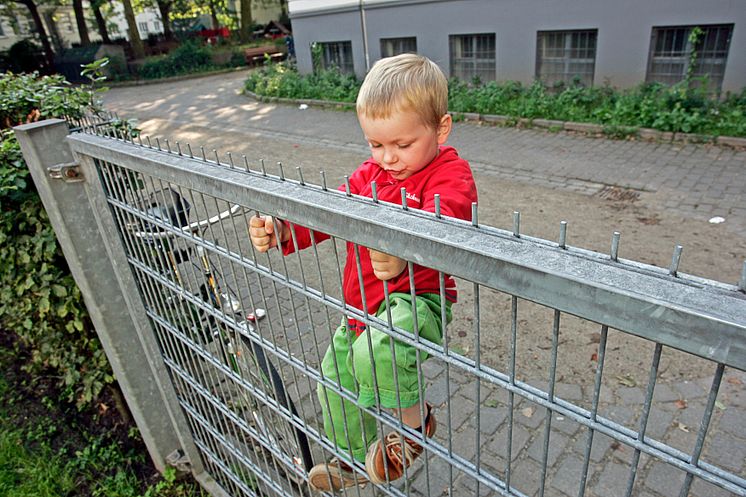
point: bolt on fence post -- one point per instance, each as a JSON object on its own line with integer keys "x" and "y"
{"x": 88, "y": 237}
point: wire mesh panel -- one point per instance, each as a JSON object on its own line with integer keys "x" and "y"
{"x": 545, "y": 370}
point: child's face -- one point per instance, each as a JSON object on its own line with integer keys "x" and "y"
{"x": 401, "y": 144}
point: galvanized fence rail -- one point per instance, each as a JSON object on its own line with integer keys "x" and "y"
{"x": 517, "y": 414}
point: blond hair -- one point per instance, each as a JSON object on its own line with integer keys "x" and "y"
{"x": 404, "y": 82}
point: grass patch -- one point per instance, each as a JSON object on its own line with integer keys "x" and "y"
{"x": 50, "y": 449}
{"x": 685, "y": 107}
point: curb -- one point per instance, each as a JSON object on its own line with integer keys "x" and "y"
{"x": 173, "y": 79}
{"x": 590, "y": 129}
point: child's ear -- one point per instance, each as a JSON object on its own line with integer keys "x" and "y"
{"x": 444, "y": 128}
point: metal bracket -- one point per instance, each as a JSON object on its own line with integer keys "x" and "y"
{"x": 180, "y": 461}
{"x": 68, "y": 172}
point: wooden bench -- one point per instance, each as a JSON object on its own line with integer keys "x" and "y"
{"x": 256, "y": 54}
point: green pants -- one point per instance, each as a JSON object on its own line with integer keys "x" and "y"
{"x": 348, "y": 361}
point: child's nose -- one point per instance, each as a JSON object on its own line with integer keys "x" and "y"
{"x": 389, "y": 157}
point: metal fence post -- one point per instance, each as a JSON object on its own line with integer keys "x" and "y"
{"x": 97, "y": 262}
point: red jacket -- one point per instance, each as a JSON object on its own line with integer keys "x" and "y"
{"x": 448, "y": 175}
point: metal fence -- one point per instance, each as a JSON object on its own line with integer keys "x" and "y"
{"x": 563, "y": 372}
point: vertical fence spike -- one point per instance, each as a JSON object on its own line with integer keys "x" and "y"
{"x": 139, "y": 138}
{"x": 158, "y": 143}
{"x": 202, "y": 149}
{"x": 168, "y": 145}
{"x": 436, "y": 200}
{"x": 264, "y": 168}
{"x": 189, "y": 147}
{"x": 673, "y": 270}
{"x": 323, "y": 180}
{"x": 147, "y": 139}
{"x": 347, "y": 185}
{"x": 403, "y": 198}
{"x": 217, "y": 157}
{"x": 246, "y": 163}
{"x": 374, "y": 191}
{"x": 178, "y": 148}
{"x": 300, "y": 175}
{"x": 230, "y": 159}
{"x": 742, "y": 283}
{"x": 474, "y": 214}
{"x": 282, "y": 171}
{"x": 615, "y": 246}
{"x": 516, "y": 224}
{"x": 563, "y": 235}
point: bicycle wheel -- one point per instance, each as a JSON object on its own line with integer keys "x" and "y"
{"x": 291, "y": 441}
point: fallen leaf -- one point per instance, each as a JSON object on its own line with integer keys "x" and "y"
{"x": 682, "y": 427}
{"x": 528, "y": 411}
{"x": 681, "y": 404}
{"x": 615, "y": 445}
{"x": 720, "y": 405}
{"x": 626, "y": 380}
{"x": 734, "y": 381}
{"x": 490, "y": 403}
{"x": 461, "y": 333}
{"x": 594, "y": 357}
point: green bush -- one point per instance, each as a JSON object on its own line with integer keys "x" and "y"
{"x": 189, "y": 57}
{"x": 39, "y": 300}
{"x": 685, "y": 107}
{"x": 283, "y": 80}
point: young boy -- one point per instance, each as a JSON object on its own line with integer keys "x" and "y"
{"x": 402, "y": 110}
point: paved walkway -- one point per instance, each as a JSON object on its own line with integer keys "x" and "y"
{"x": 697, "y": 181}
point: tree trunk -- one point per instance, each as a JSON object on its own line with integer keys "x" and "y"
{"x": 137, "y": 49}
{"x": 80, "y": 20}
{"x": 214, "y": 16}
{"x": 101, "y": 23}
{"x": 165, "y": 9}
{"x": 48, "y": 52}
{"x": 246, "y": 21}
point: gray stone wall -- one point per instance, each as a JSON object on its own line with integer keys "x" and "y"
{"x": 624, "y": 31}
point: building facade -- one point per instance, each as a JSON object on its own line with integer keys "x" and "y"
{"x": 621, "y": 43}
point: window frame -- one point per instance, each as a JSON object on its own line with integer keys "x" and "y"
{"x": 471, "y": 54}
{"x": 710, "y": 58}
{"x": 402, "y": 40}
{"x": 567, "y": 60}
{"x": 346, "y": 67}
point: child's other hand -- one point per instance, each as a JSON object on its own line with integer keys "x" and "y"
{"x": 386, "y": 266}
{"x": 262, "y": 233}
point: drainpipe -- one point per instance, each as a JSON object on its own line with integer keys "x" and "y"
{"x": 365, "y": 37}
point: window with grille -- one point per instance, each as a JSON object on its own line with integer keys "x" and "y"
{"x": 473, "y": 56}
{"x": 396, "y": 46}
{"x": 143, "y": 27}
{"x": 566, "y": 56}
{"x": 671, "y": 54}
{"x": 337, "y": 54}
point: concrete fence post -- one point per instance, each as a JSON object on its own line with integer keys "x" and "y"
{"x": 86, "y": 232}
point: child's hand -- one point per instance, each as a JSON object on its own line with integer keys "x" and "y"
{"x": 262, "y": 233}
{"x": 386, "y": 266}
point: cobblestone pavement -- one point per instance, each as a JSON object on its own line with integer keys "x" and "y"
{"x": 692, "y": 181}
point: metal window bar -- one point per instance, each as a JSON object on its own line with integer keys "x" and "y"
{"x": 481, "y": 386}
